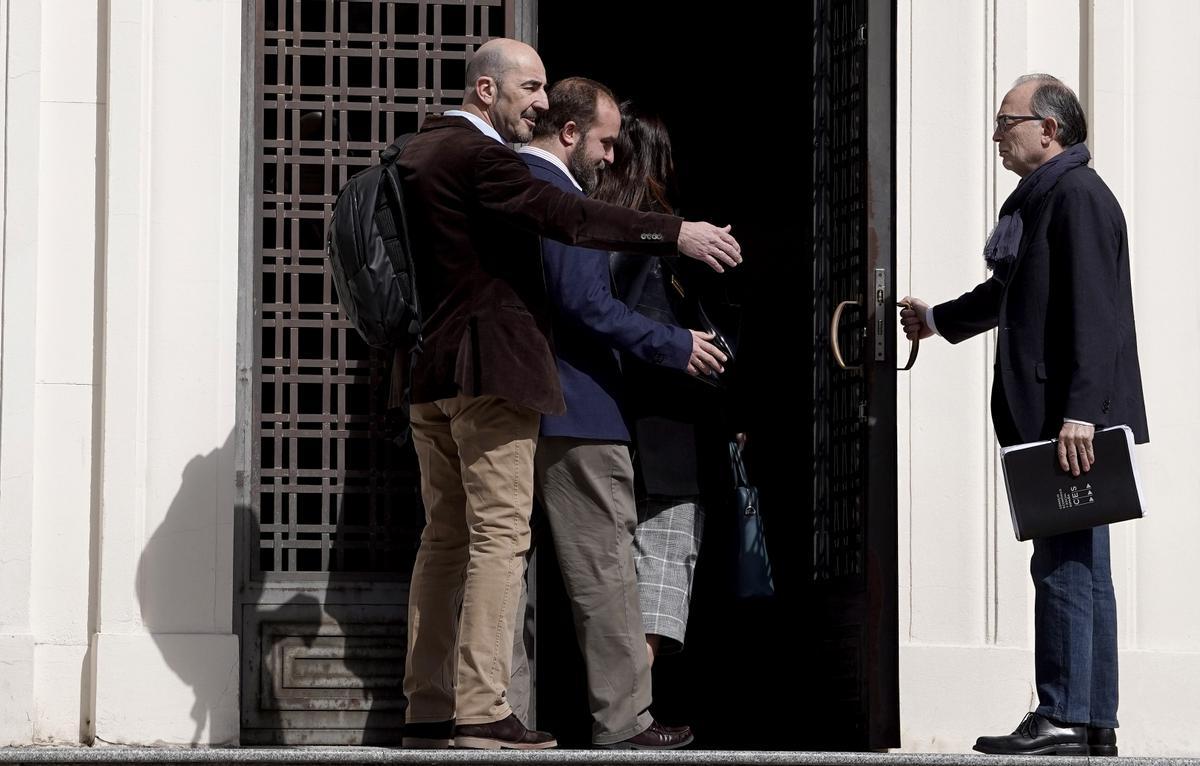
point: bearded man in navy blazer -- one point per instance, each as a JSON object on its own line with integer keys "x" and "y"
{"x": 1066, "y": 363}
{"x": 583, "y": 474}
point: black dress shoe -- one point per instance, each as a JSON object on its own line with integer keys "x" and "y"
{"x": 507, "y": 733}
{"x": 1102, "y": 741}
{"x": 429, "y": 735}
{"x": 1038, "y": 735}
{"x": 656, "y": 737}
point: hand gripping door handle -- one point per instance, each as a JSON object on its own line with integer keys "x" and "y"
{"x": 913, "y": 348}
{"x": 836, "y": 348}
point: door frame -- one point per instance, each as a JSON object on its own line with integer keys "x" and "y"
{"x": 882, "y": 448}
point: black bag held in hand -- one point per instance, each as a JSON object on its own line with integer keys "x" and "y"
{"x": 754, "y": 568}
{"x": 691, "y": 314}
{"x": 371, "y": 259}
{"x": 654, "y": 288}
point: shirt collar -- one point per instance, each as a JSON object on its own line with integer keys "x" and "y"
{"x": 555, "y": 161}
{"x": 486, "y": 129}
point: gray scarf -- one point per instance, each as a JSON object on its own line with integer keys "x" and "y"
{"x": 1026, "y": 200}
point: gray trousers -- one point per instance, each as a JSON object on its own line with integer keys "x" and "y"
{"x": 586, "y": 489}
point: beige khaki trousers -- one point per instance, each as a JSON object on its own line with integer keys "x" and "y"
{"x": 476, "y": 460}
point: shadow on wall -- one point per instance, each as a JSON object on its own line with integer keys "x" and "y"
{"x": 182, "y": 583}
{"x": 326, "y": 665}
{"x": 176, "y": 575}
{"x": 275, "y": 632}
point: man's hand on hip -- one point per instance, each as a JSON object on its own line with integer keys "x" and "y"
{"x": 1075, "y": 451}
{"x": 709, "y": 244}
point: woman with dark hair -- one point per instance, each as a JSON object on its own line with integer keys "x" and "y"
{"x": 642, "y": 175}
{"x": 674, "y": 419}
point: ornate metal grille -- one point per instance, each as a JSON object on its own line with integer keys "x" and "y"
{"x": 839, "y": 273}
{"x": 338, "y": 79}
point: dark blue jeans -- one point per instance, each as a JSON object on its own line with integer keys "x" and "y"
{"x": 1075, "y": 619}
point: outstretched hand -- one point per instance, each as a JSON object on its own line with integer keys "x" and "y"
{"x": 710, "y": 244}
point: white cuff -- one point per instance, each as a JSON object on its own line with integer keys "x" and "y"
{"x": 929, "y": 320}
{"x": 1078, "y": 422}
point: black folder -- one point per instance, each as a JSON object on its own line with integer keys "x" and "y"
{"x": 1046, "y": 500}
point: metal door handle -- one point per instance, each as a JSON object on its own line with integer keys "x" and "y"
{"x": 833, "y": 336}
{"x": 913, "y": 350}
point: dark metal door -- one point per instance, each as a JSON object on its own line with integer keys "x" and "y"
{"x": 329, "y": 506}
{"x": 853, "y": 576}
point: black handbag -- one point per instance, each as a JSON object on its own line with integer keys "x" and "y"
{"x": 690, "y": 313}
{"x": 753, "y": 565}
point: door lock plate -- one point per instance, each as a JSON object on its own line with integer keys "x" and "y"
{"x": 880, "y": 314}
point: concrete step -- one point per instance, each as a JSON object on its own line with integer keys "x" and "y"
{"x": 297, "y": 756}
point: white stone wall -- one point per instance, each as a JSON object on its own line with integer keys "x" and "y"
{"x": 54, "y": 101}
{"x": 22, "y": 85}
{"x": 966, "y": 600}
{"x": 117, "y": 370}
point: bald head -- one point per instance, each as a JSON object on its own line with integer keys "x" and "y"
{"x": 506, "y": 86}
{"x": 497, "y": 57}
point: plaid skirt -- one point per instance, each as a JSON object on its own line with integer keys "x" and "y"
{"x": 666, "y": 546}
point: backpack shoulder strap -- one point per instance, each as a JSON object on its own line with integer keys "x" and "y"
{"x": 389, "y": 155}
{"x": 392, "y": 222}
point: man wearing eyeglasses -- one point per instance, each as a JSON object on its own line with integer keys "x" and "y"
{"x": 1066, "y": 364}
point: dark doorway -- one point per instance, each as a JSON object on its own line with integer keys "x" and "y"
{"x": 781, "y": 120}
{"x": 770, "y": 116}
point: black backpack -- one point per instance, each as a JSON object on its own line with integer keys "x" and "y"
{"x": 371, "y": 259}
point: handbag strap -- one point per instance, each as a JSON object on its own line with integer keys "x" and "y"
{"x": 740, "y": 479}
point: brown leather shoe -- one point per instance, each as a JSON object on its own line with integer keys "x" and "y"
{"x": 657, "y": 737}
{"x": 507, "y": 733}
{"x": 428, "y": 735}
{"x": 684, "y": 731}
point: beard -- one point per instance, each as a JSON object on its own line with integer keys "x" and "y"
{"x": 587, "y": 173}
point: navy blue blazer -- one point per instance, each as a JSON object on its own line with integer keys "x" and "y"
{"x": 589, "y": 327}
{"x": 1066, "y": 346}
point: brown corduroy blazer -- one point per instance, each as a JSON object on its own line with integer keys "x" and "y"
{"x": 474, "y": 216}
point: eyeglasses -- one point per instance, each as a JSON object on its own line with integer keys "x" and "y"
{"x": 1006, "y": 121}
